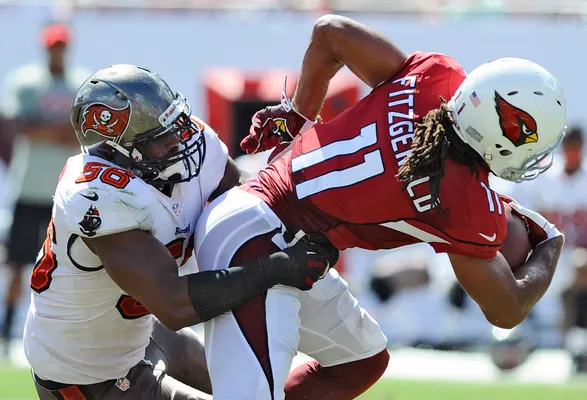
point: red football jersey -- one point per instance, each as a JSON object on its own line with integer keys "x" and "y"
{"x": 340, "y": 177}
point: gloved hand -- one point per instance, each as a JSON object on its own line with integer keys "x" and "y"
{"x": 274, "y": 125}
{"x": 539, "y": 228}
{"x": 303, "y": 264}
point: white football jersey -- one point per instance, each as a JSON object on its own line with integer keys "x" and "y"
{"x": 81, "y": 327}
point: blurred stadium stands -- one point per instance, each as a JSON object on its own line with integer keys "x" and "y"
{"x": 514, "y": 7}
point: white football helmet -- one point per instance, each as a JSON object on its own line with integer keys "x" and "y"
{"x": 512, "y": 112}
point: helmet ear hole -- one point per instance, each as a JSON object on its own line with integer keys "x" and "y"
{"x": 503, "y": 152}
{"x": 120, "y": 95}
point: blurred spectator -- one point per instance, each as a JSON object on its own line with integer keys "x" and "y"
{"x": 390, "y": 276}
{"x": 572, "y": 219}
{"x": 36, "y": 103}
{"x": 5, "y": 142}
{"x": 410, "y": 308}
{"x": 575, "y": 305}
{"x": 559, "y": 195}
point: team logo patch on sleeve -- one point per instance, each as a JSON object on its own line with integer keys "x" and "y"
{"x": 91, "y": 222}
{"x": 104, "y": 120}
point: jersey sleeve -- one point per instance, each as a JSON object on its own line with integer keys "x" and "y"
{"x": 212, "y": 170}
{"x": 94, "y": 210}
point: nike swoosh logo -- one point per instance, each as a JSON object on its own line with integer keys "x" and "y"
{"x": 489, "y": 238}
{"x": 94, "y": 197}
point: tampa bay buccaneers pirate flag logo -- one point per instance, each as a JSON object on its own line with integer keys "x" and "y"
{"x": 104, "y": 120}
{"x": 91, "y": 222}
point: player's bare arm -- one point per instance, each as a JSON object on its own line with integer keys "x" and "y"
{"x": 505, "y": 287}
{"x": 232, "y": 177}
{"x": 505, "y": 296}
{"x": 338, "y": 41}
{"x": 143, "y": 267}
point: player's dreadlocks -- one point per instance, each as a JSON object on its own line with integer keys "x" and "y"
{"x": 434, "y": 138}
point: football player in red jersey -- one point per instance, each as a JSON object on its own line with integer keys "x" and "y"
{"x": 401, "y": 166}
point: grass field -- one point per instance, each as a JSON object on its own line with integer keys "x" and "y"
{"x": 15, "y": 384}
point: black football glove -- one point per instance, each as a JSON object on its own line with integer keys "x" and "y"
{"x": 304, "y": 263}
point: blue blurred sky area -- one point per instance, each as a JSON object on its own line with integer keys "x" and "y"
{"x": 182, "y": 45}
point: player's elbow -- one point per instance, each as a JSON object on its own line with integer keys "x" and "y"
{"x": 171, "y": 323}
{"x": 175, "y": 315}
{"x": 326, "y": 27}
{"x": 327, "y": 22}
{"x": 506, "y": 318}
{"x": 173, "y": 320}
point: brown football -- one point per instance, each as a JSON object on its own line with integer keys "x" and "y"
{"x": 516, "y": 246}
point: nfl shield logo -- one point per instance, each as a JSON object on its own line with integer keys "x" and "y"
{"x": 123, "y": 384}
{"x": 176, "y": 209}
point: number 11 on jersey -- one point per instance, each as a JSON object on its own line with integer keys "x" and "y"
{"x": 370, "y": 167}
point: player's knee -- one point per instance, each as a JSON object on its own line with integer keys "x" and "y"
{"x": 361, "y": 374}
{"x": 379, "y": 363}
{"x": 374, "y": 368}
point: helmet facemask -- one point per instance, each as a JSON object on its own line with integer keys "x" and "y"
{"x": 171, "y": 154}
{"x": 533, "y": 166}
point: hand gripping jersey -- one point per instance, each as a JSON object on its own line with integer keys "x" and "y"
{"x": 340, "y": 177}
{"x": 81, "y": 327}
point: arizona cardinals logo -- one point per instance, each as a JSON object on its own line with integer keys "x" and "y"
{"x": 516, "y": 124}
{"x": 105, "y": 120}
{"x": 280, "y": 127}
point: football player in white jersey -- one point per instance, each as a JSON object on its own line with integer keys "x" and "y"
{"x": 123, "y": 222}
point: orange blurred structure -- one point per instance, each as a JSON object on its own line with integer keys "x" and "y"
{"x": 233, "y": 96}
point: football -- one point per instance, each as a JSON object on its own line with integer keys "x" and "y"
{"x": 516, "y": 246}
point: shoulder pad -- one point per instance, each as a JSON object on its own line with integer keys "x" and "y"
{"x": 97, "y": 198}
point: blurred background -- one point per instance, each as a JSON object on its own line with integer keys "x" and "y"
{"x": 229, "y": 58}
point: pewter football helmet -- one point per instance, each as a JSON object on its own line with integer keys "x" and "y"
{"x": 123, "y": 113}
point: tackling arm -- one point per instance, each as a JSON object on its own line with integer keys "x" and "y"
{"x": 232, "y": 177}
{"x": 143, "y": 267}
{"x": 338, "y": 41}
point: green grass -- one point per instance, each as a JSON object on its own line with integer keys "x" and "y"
{"x": 421, "y": 390}
{"x": 16, "y": 384}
